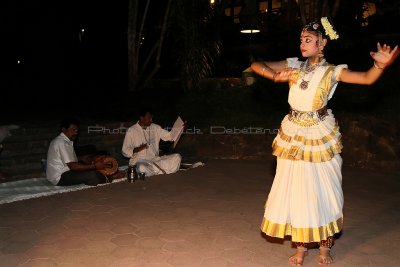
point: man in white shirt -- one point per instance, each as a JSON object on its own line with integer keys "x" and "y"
{"x": 63, "y": 167}
{"x": 141, "y": 146}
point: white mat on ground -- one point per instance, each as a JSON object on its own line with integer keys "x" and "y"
{"x": 37, "y": 187}
{"x": 40, "y": 187}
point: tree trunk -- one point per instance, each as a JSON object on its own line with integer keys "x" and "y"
{"x": 140, "y": 73}
{"x": 311, "y": 10}
{"x": 335, "y": 8}
{"x": 132, "y": 63}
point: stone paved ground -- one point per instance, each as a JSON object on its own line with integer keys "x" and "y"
{"x": 207, "y": 216}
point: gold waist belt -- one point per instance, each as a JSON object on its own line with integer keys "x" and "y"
{"x": 307, "y": 118}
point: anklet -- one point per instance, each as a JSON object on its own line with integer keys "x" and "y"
{"x": 326, "y": 248}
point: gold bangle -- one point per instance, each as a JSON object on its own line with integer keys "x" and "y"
{"x": 377, "y": 67}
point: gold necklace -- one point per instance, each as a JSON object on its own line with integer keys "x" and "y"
{"x": 305, "y": 69}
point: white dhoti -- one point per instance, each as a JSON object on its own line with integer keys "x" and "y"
{"x": 159, "y": 165}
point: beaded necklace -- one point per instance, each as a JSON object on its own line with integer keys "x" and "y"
{"x": 144, "y": 134}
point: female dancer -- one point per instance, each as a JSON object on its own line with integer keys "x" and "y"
{"x": 306, "y": 198}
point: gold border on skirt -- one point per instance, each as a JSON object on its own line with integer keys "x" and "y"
{"x": 306, "y": 235}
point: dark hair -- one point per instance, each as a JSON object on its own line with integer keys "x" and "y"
{"x": 66, "y": 122}
{"x": 143, "y": 111}
{"x": 323, "y": 28}
{"x": 316, "y": 27}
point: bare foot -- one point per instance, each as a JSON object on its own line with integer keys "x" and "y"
{"x": 298, "y": 258}
{"x": 324, "y": 257}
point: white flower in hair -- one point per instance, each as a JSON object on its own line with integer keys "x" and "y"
{"x": 330, "y": 32}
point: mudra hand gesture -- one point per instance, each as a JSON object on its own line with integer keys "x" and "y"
{"x": 285, "y": 75}
{"x": 384, "y": 56}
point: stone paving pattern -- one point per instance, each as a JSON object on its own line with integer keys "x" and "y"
{"x": 208, "y": 216}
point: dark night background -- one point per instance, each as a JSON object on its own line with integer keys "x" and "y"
{"x": 57, "y": 62}
{"x": 61, "y": 67}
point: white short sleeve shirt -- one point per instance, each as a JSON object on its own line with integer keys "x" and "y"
{"x": 61, "y": 151}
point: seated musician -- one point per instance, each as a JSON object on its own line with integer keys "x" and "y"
{"x": 141, "y": 146}
{"x": 63, "y": 166}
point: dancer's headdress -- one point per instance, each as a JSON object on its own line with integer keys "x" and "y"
{"x": 324, "y": 27}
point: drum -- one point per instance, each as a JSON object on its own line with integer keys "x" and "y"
{"x": 110, "y": 163}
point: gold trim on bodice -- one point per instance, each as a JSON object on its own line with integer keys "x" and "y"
{"x": 323, "y": 90}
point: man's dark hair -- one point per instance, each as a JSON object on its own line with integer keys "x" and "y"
{"x": 66, "y": 122}
{"x": 143, "y": 111}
